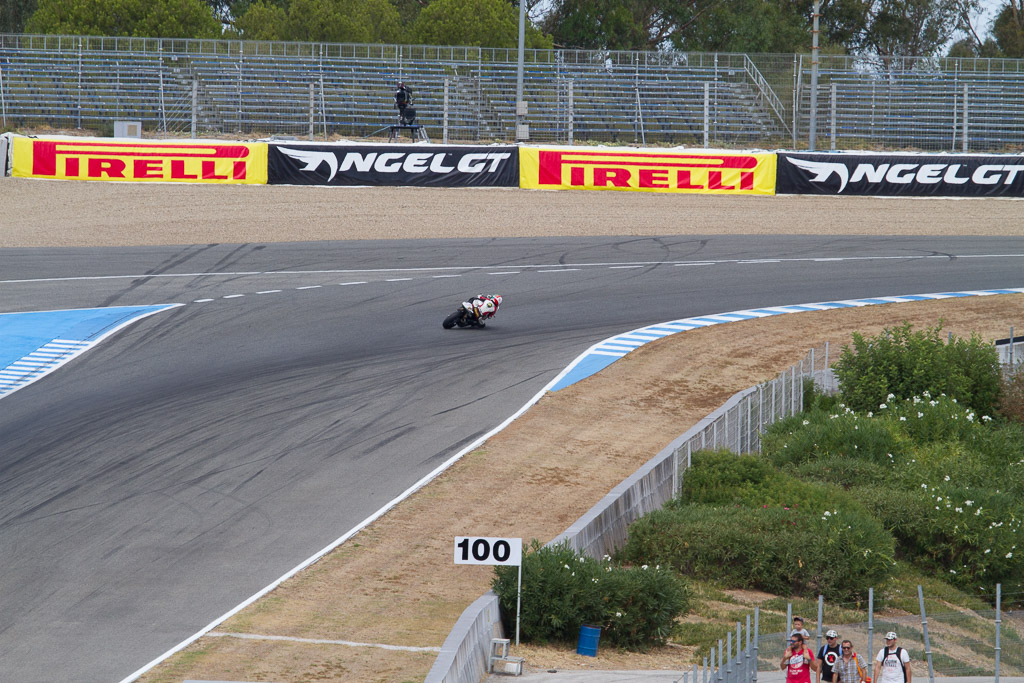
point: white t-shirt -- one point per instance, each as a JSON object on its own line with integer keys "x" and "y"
{"x": 892, "y": 671}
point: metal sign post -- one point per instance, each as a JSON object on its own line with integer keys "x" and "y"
{"x": 493, "y": 551}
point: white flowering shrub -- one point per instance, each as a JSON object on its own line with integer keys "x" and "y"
{"x": 944, "y": 480}
{"x": 903, "y": 363}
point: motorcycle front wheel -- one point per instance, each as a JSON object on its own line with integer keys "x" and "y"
{"x": 450, "y": 321}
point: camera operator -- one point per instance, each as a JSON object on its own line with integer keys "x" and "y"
{"x": 403, "y": 102}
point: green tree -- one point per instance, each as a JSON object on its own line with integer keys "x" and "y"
{"x": 1008, "y": 29}
{"x": 748, "y": 26}
{"x": 483, "y": 23}
{"x": 14, "y": 14}
{"x": 703, "y": 25}
{"x": 333, "y": 21}
{"x": 262, "y": 21}
{"x": 607, "y": 24}
{"x": 909, "y": 28}
{"x": 143, "y": 18}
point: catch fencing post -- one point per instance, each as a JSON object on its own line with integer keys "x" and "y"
{"x": 757, "y": 631}
{"x": 704, "y": 668}
{"x": 746, "y": 652}
{"x": 195, "y": 105}
{"x": 572, "y": 118}
{"x": 675, "y": 471}
{"x": 720, "y": 658}
{"x": 323, "y": 106}
{"x": 444, "y": 128}
{"x": 707, "y": 112}
{"x": 999, "y": 599}
{"x": 312, "y": 105}
{"x": 728, "y": 659}
{"x": 924, "y": 628}
{"x": 833, "y": 105}
{"x": 1011, "y": 348}
{"x": 773, "y": 403}
{"x": 871, "y": 620}
{"x": 792, "y": 390}
{"x": 712, "y": 666}
{"x": 963, "y": 135}
{"x": 749, "y": 430}
{"x": 821, "y": 612}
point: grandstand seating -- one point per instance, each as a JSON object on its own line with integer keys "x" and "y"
{"x": 261, "y": 89}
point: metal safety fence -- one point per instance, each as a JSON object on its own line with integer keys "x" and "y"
{"x": 177, "y": 87}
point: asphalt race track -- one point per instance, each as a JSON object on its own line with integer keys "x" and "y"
{"x": 165, "y": 476}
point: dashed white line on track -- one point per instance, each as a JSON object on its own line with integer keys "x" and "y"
{"x": 310, "y": 287}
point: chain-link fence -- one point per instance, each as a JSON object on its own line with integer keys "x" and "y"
{"x": 236, "y": 88}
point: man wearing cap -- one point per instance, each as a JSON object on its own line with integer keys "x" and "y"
{"x": 828, "y": 658}
{"x": 893, "y": 662}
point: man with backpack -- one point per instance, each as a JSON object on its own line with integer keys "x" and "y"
{"x": 828, "y": 658}
{"x": 893, "y": 662}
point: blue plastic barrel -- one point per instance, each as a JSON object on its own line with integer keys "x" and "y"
{"x": 587, "y": 645}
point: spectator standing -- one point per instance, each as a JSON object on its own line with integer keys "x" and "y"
{"x": 828, "y": 658}
{"x": 852, "y": 667}
{"x": 893, "y": 662}
{"x": 797, "y": 661}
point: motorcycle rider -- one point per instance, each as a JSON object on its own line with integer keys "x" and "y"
{"x": 483, "y": 307}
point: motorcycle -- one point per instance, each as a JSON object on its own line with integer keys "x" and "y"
{"x": 466, "y": 317}
{"x": 463, "y": 318}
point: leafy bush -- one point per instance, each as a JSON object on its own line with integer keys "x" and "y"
{"x": 1011, "y": 395}
{"x": 905, "y": 363}
{"x": 838, "y": 554}
{"x": 636, "y": 607}
{"x": 821, "y": 435}
{"x": 947, "y": 490}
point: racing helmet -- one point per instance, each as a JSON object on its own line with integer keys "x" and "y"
{"x": 497, "y": 299}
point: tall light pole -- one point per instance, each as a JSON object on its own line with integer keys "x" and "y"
{"x": 811, "y": 142}
{"x": 522, "y": 132}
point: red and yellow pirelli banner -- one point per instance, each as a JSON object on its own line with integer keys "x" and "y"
{"x": 177, "y": 162}
{"x": 647, "y": 170}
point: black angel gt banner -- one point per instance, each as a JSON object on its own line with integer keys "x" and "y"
{"x": 433, "y": 165}
{"x": 906, "y": 175}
